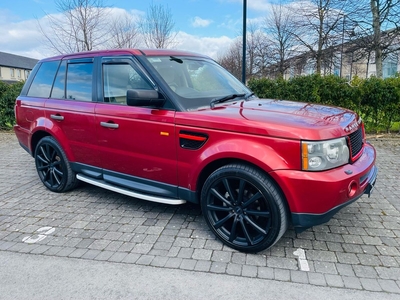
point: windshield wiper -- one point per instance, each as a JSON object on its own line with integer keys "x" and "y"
{"x": 248, "y": 96}
{"x": 225, "y": 98}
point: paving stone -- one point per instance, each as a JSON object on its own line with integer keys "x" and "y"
{"x": 365, "y": 271}
{"x": 104, "y": 255}
{"x": 317, "y": 255}
{"x": 352, "y": 282}
{"x": 388, "y": 261}
{"x": 256, "y": 260}
{"x": 204, "y": 266}
{"x": 218, "y": 267}
{"x": 185, "y": 252}
{"x": 344, "y": 269}
{"x": 265, "y": 273}
{"x": 325, "y": 267}
{"x": 239, "y": 258}
{"x": 282, "y": 262}
{"x": 371, "y": 284}
{"x": 347, "y": 258}
{"x": 316, "y": 279}
{"x": 334, "y": 280}
{"x": 118, "y": 257}
{"x": 249, "y": 271}
{"x": 388, "y": 273}
{"x": 389, "y": 286}
{"x": 282, "y": 275}
{"x": 221, "y": 256}
{"x": 369, "y": 260}
{"x": 202, "y": 254}
{"x": 298, "y": 276}
{"x": 145, "y": 260}
{"x": 188, "y": 264}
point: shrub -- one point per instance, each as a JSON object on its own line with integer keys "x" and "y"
{"x": 8, "y": 94}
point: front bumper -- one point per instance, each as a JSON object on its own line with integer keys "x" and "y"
{"x": 302, "y": 221}
{"x": 314, "y": 197}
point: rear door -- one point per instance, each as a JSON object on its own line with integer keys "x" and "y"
{"x": 71, "y": 110}
{"x": 136, "y": 144}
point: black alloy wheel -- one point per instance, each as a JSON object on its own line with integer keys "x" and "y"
{"x": 244, "y": 208}
{"x": 53, "y": 167}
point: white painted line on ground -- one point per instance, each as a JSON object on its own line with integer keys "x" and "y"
{"x": 43, "y": 233}
{"x": 301, "y": 257}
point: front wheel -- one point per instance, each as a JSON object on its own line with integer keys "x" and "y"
{"x": 244, "y": 208}
{"x": 53, "y": 167}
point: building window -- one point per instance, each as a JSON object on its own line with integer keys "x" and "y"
{"x": 19, "y": 74}
{"x": 0, "y": 72}
{"x": 389, "y": 67}
{"x": 12, "y": 72}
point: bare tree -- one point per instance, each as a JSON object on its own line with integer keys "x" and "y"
{"x": 377, "y": 31}
{"x": 124, "y": 32}
{"x": 257, "y": 52}
{"x": 318, "y": 26}
{"x": 232, "y": 59}
{"x": 279, "y": 28}
{"x": 81, "y": 26}
{"x": 157, "y": 27}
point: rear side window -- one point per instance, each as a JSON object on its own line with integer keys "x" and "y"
{"x": 41, "y": 84}
{"x": 58, "y": 91}
{"x": 79, "y": 81}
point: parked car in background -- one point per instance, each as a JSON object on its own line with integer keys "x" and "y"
{"x": 174, "y": 127}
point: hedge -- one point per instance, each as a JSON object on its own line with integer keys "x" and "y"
{"x": 8, "y": 94}
{"x": 377, "y": 101}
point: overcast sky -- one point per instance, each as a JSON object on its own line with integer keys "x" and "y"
{"x": 205, "y": 26}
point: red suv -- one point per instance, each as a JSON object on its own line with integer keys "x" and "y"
{"x": 171, "y": 126}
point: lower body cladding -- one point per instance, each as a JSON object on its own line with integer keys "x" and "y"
{"x": 314, "y": 197}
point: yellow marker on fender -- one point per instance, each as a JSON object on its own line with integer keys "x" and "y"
{"x": 164, "y": 133}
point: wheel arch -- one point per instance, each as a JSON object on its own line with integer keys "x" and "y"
{"x": 216, "y": 164}
{"x": 36, "y": 137}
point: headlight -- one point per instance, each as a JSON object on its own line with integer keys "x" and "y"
{"x": 324, "y": 155}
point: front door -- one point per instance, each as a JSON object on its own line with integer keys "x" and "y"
{"x": 136, "y": 144}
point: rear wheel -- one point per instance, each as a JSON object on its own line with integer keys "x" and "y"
{"x": 244, "y": 208}
{"x": 53, "y": 167}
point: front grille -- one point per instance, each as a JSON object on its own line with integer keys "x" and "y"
{"x": 356, "y": 142}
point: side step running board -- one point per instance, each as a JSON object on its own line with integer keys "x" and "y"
{"x": 117, "y": 189}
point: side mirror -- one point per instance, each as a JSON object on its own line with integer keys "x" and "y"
{"x": 150, "y": 98}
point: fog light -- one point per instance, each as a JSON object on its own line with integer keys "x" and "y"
{"x": 352, "y": 189}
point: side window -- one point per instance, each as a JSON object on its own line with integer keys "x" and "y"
{"x": 118, "y": 78}
{"x": 79, "y": 81}
{"x": 41, "y": 84}
{"x": 58, "y": 91}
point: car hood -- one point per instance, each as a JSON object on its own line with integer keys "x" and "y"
{"x": 278, "y": 118}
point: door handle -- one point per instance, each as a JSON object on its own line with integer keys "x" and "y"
{"x": 109, "y": 125}
{"x": 57, "y": 117}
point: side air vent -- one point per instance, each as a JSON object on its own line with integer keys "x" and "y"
{"x": 192, "y": 140}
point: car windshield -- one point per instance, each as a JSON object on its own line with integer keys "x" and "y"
{"x": 198, "y": 81}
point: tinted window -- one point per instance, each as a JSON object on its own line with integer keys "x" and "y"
{"x": 79, "y": 81}
{"x": 41, "y": 84}
{"x": 118, "y": 78}
{"x": 59, "y": 84}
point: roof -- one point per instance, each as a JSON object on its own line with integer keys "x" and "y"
{"x": 137, "y": 52}
{"x": 16, "y": 61}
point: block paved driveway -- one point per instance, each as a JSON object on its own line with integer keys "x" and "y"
{"x": 358, "y": 249}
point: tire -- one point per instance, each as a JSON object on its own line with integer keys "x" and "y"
{"x": 244, "y": 208}
{"x": 53, "y": 167}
